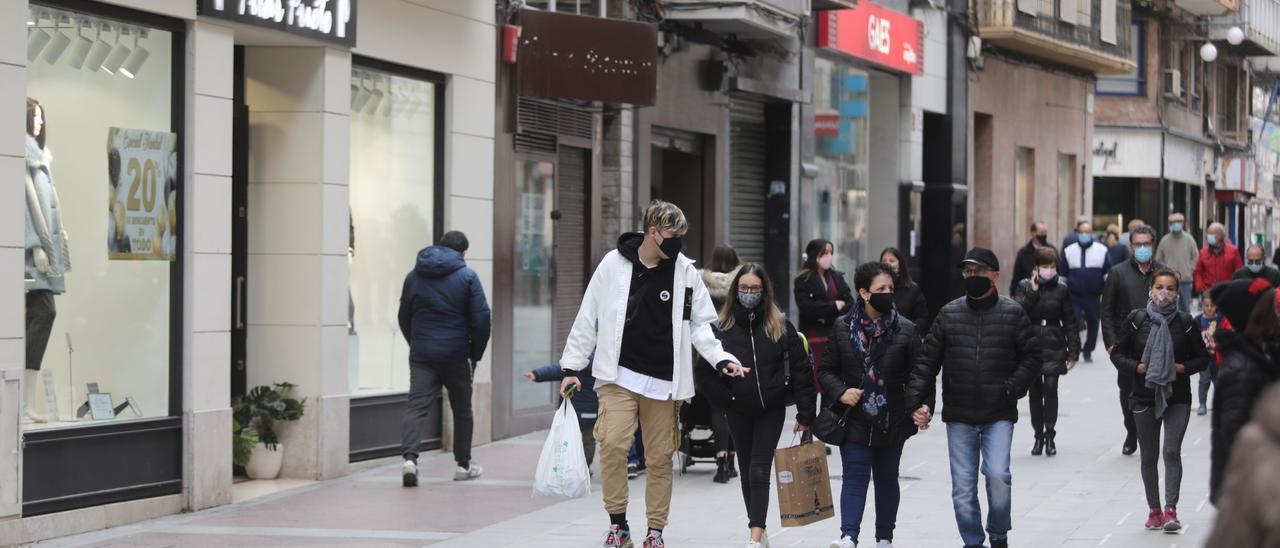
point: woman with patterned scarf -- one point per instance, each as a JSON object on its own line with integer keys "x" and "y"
{"x": 869, "y": 363}
{"x": 1161, "y": 348}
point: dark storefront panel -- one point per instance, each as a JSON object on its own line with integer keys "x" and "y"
{"x": 375, "y": 426}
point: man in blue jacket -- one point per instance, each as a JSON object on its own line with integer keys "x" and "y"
{"x": 445, "y": 319}
{"x": 1084, "y": 265}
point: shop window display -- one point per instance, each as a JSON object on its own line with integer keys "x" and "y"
{"x": 392, "y": 195}
{"x": 835, "y": 202}
{"x": 98, "y": 264}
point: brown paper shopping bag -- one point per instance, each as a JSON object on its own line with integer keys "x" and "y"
{"x": 804, "y": 485}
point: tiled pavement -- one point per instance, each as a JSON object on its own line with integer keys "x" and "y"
{"x": 1087, "y": 496}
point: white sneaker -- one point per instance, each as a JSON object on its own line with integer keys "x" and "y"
{"x": 464, "y": 474}
{"x": 884, "y": 544}
{"x": 762, "y": 543}
{"x": 844, "y": 542}
{"x": 409, "y": 471}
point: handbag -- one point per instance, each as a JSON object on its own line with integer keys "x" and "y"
{"x": 829, "y": 426}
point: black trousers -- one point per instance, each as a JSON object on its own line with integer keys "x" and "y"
{"x": 40, "y": 316}
{"x": 720, "y": 429}
{"x": 1126, "y": 386}
{"x": 425, "y": 382}
{"x": 756, "y": 438}
{"x": 1044, "y": 404}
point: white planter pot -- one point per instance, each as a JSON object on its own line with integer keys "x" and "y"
{"x": 264, "y": 464}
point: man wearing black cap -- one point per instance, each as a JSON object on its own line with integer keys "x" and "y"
{"x": 984, "y": 346}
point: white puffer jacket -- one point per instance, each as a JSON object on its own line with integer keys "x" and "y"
{"x": 601, "y": 319}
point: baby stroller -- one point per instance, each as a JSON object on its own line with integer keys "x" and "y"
{"x": 697, "y": 441}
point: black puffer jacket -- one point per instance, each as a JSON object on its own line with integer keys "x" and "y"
{"x": 1188, "y": 350}
{"x": 817, "y": 311}
{"x": 765, "y": 387}
{"x": 1245, "y": 372}
{"x": 843, "y": 371}
{"x": 909, "y": 300}
{"x": 988, "y": 358}
{"x": 1053, "y": 318}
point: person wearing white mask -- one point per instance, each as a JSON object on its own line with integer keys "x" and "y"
{"x": 1178, "y": 252}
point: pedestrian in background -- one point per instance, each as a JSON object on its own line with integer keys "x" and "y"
{"x": 1219, "y": 259}
{"x": 718, "y": 278}
{"x": 872, "y": 353}
{"x": 1116, "y": 251}
{"x": 643, "y": 358}
{"x": 1074, "y": 236}
{"x": 822, "y": 295}
{"x": 1178, "y": 252}
{"x": 1246, "y": 368}
{"x": 1255, "y": 267}
{"x": 985, "y": 348}
{"x": 444, "y": 317}
{"x": 1048, "y": 304}
{"x": 750, "y": 325}
{"x": 1025, "y": 262}
{"x": 1084, "y": 265}
{"x": 1126, "y": 290}
{"x": 1124, "y": 238}
{"x": 908, "y": 299}
{"x": 1211, "y": 323}
{"x": 1160, "y": 348}
{"x": 585, "y": 403}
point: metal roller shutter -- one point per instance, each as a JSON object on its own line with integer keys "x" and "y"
{"x": 570, "y": 240}
{"x": 747, "y": 184}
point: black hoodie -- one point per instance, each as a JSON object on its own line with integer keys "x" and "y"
{"x": 646, "y": 337}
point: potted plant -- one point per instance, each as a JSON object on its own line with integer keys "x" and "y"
{"x": 253, "y": 428}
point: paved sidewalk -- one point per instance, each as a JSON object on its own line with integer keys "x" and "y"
{"x": 1088, "y": 495}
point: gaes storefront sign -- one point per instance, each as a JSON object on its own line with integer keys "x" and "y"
{"x": 328, "y": 20}
{"x": 874, "y": 33}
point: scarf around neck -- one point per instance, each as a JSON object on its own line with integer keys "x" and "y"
{"x": 1158, "y": 355}
{"x": 869, "y": 345}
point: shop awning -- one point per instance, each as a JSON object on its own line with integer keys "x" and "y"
{"x": 1136, "y": 153}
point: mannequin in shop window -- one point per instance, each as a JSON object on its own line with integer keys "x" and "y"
{"x": 47, "y": 257}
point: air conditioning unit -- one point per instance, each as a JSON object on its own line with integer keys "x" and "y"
{"x": 1173, "y": 83}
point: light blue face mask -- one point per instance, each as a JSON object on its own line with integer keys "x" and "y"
{"x": 1143, "y": 254}
{"x": 1175, "y": 227}
{"x": 1211, "y": 239}
{"x": 1254, "y": 267}
{"x": 1086, "y": 239}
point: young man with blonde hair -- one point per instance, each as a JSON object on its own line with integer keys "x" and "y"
{"x": 645, "y": 307}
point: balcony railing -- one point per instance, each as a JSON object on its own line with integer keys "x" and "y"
{"x": 1260, "y": 21}
{"x": 1044, "y": 28}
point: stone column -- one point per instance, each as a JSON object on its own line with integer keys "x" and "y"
{"x": 299, "y": 100}
{"x": 13, "y": 93}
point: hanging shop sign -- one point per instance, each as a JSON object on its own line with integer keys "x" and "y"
{"x": 875, "y": 33}
{"x": 142, "y": 220}
{"x": 328, "y": 20}
{"x": 586, "y": 58}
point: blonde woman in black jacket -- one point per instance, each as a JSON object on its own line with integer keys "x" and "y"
{"x": 1048, "y": 304}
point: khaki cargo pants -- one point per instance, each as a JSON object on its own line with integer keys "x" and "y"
{"x": 620, "y": 409}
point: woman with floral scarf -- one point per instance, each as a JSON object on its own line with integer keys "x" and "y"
{"x": 1161, "y": 348}
{"x": 872, "y": 351}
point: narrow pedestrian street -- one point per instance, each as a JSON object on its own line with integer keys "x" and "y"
{"x": 1088, "y": 495}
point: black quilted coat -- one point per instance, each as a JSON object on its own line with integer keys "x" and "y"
{"x": 988, "y": 357}
{"x": 1245, "y": 372}
{"x": 1053, "y": 318}
{"x": 1188, "y": 350}
{"x": 843, "y": 371}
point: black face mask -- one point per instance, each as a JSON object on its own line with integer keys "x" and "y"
{"x": 882, "y": 302}
{"x": 976, "y": 287}
{"x": 1044, "y": 240}
{"x": 671, "y": 246}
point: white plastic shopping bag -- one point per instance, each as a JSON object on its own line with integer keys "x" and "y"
{"x": 562, "y": 468}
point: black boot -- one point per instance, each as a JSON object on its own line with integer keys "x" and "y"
{"x": 722, "y": 470}
{"x": 1050, "y": 448}
{"x": 729, "y": 464}
{"x": 1038, "y": 448}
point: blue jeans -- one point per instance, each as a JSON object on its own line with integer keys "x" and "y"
{"x": 861, "y": 464}
{"x": 1088, "y": 313}
{"x": 992, "y": 441}
{"x": 1184, "y": 297}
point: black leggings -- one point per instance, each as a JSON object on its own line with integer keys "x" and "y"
{"x": 756, "y": 438}
{"x": 720, "y": 430}
{"x": 1044, "y": 404}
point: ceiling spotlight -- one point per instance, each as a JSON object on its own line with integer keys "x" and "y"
{"x": 80, "y": 51}
{"x": 137, "y": 58}
{"x": 359, "y": 94}
{"x": 1235, "y": 36}
{"x": 1208, "y": 52}
{"x": 58, "y": 45}
{"x": 36, "y": 41}
{"x": 118, "y": 55}
{"x": 100, "y": 50}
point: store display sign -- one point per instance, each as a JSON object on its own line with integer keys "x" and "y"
{"x": 875, "y": 33}
{"x": 826, "y": 125}
{"x": 328, "y": 20}
{"x": 568, "y": 56}
{"x": 142, "y": 219}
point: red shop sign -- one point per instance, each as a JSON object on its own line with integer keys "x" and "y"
{"x": 826, "y": 125}
{"x": 877, "y": 34}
